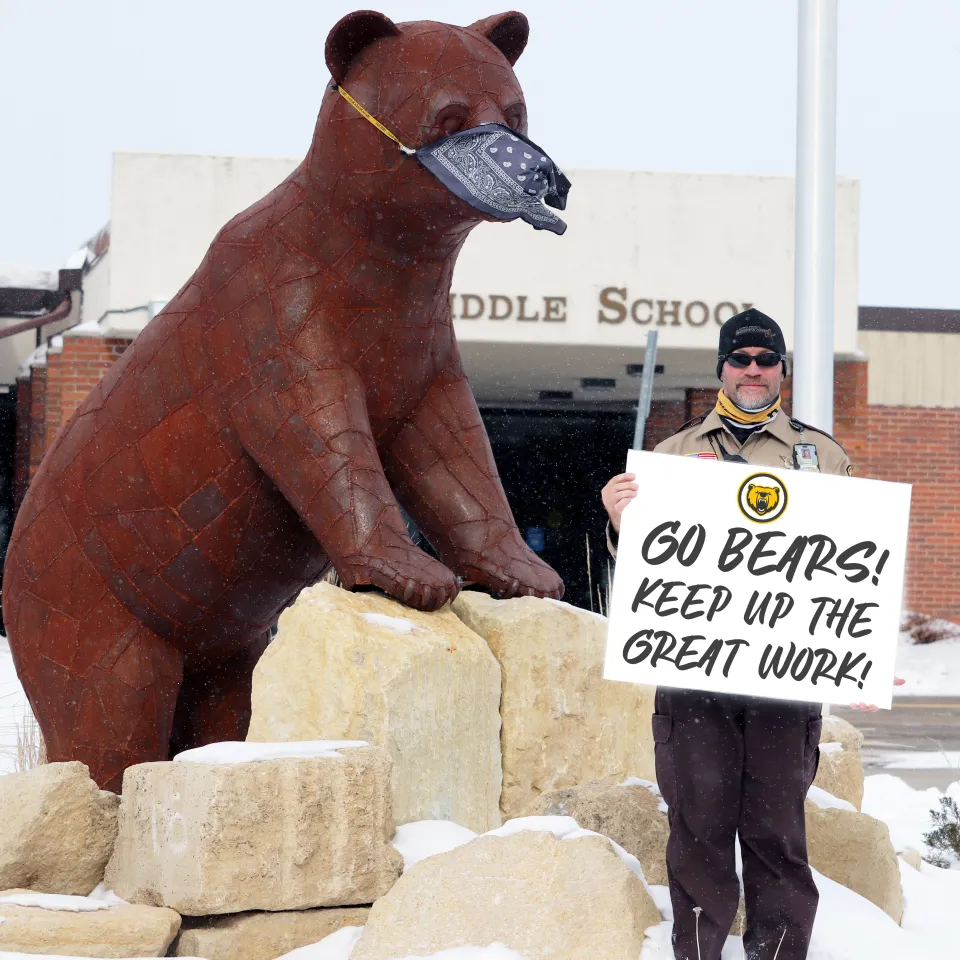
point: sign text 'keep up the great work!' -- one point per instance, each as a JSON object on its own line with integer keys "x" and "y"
{"x": 765, "y": 582}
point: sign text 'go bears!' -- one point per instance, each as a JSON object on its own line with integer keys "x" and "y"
{"x": 752, "y": 580}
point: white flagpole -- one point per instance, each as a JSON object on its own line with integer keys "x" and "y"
{"x": 816, "y": 187}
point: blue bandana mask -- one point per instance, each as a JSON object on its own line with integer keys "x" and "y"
{"x": 493, "y": 168}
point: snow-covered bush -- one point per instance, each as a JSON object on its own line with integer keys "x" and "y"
{"x": 924, "y": 629}
{"x": 944, "y": 839}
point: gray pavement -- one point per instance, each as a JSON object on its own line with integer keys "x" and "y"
{"x": 914, "y": 725}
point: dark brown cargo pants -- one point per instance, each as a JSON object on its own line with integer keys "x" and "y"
{"x": 730, "y": 766}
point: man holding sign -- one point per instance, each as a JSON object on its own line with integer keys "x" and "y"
{"x": 750, "y": 592}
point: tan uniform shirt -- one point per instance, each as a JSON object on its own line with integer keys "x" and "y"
{"x": 770, "y": 446}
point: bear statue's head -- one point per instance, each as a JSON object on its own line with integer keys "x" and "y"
{"x": 422, "y": 81}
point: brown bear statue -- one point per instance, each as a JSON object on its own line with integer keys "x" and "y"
{"x": 302, "y": 383}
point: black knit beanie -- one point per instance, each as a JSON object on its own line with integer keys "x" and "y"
{"x": 750, "y": 329}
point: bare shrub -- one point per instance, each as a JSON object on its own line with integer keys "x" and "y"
{"x": 31, "y": 750}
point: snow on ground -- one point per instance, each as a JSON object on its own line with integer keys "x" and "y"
{"x": 848, "y": 927}
{"x": 825, "y": 800}
{"x": 417, "y": 841}
{"x": 100, "y": 892}
{"x": 930, "y": 899}
{"x": 55, "y": 901}
{"x": 496, "y": 951}
{"x": 398, "y": 624}
{"x": 100, "y": 898}
{"x": 930, "y": 669}
{"x": 923, "y": 760}
{"x": 904, "y": 810}
{"x": 240, "y": 751}
{"x": 338, "y": 946}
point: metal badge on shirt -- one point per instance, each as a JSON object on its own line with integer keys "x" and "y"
{"x": 805, "y": 457}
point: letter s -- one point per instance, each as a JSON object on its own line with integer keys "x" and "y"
{"x": 620, "y": 309}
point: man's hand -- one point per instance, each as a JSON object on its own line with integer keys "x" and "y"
{"x": 897, "y": 682}
{"x": 616, "y": 495}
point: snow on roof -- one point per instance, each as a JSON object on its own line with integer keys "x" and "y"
{"x": 28, "y": 278}
{"x": 37, "y": 358}
{"x": 89, "y": 328}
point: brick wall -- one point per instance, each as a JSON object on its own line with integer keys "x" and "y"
{"x": 666, "y": 418}
{"x": 53, "y": 392}
{"x": 73, "y": 370}
{"x": 921, "y": 445}
{"x": 38, "y": 417}
{"x": 21, "y": 448}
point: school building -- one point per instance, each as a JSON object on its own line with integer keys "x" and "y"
{"x": 552, "y": 331}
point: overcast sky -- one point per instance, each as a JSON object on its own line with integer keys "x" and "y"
{"x": 684, "y": 85}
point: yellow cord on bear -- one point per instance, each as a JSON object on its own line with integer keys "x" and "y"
{"x": 368, "y": 116}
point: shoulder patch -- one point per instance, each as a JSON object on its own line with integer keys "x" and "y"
{"x": 799, "y": 425}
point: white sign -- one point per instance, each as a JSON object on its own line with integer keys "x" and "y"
{"x": 752, "y": 580}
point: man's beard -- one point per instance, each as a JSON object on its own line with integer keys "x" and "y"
{"x": 753, "y": 403}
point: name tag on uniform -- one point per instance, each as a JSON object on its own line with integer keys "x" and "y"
{"x": 805, "y": 457}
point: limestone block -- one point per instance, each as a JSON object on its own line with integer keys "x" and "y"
{"x": 262, "y": 936}
{"x": 57, "y": 829}
{"x": 563, "y": 724}
{"x": 274, "y": 835}
{"x": 855, "y": 850}
{"x": 841, "y": 771}
{"x": 542, "y": 897}
{"x": 632, "y": 814}
{"x": 113, "y": 931}
{"x": 360, "y": 666}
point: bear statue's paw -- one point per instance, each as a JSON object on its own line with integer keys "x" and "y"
{"x": 406, "y": 575}
{"x": 513, "y": 570}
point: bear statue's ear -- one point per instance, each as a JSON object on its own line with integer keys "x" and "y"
{"x": 351, "y": 35}
{"x": 508, "y": 32}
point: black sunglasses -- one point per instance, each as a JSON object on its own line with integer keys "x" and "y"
{"x": 744, "y": 359}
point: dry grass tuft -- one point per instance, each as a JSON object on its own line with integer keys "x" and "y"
{"x": 31, "y": 750}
